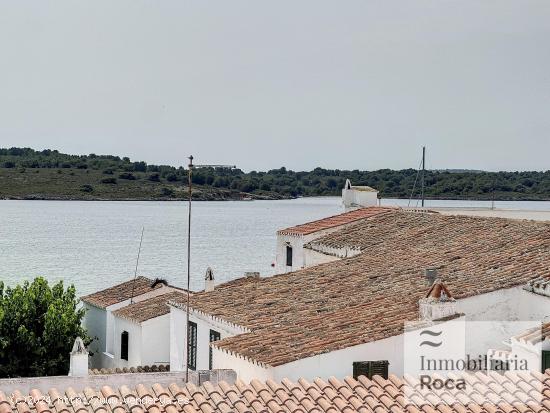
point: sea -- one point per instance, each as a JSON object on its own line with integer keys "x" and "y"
{"x": 94, "y": 245}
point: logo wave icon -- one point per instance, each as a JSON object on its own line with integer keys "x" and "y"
{"x": 433, "y": 334}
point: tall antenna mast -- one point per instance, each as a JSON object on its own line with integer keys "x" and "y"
{"x": 137, "y": 263}
{"x": 190, "y": 185}
{"x": 423, "y": 172}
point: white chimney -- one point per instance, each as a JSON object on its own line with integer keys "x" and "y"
{"x": 209, "y": 280}
{"x": 438, "y": 303}
{"x": 79, "y": 359}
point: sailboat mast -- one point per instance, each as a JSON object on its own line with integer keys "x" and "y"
{"x": 423, "y": 172}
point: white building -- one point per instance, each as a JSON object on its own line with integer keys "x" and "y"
{"x": 290, "y": 253}
{"x": 327, "y": 319}
{"x": 130, "y": 323}
{"x": 354, "y": 196}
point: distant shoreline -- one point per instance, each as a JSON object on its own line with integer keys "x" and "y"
{"x": 252, "y": 198}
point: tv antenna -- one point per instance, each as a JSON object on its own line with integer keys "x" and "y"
{"x": 137, "y": 263}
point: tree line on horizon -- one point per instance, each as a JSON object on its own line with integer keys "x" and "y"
{"x": 450, "y": 184}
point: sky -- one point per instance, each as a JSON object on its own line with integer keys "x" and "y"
{"x": 354, "y": 84}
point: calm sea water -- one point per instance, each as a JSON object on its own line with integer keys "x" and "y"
{"x": 94, "y": 245}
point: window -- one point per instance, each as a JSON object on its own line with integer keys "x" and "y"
{"x": 124, "y": 346}
{"x": 192, "y": 345}
{"x": 288, "y": 256}
{"x": 370, "y": 369}
{"x": 214, "y": 336}
{"x": 545, "y": 360}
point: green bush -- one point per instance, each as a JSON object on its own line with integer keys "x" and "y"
{"x": 86, "y": 188}
{"x": 166, "y": 192}
{"x": 38, "y": 326}
{"x": 127, "y": 175}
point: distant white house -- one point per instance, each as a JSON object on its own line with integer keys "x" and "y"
{"x": 290, "y": 253}
{"x": 348, "y": 314}
{"x": 359, "y": 202}
{"x": 354, "y": 196}
{"x": 130, "y": 323}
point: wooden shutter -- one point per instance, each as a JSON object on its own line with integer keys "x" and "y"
{"x": 371, "y": 369}
{"x": 192, "y": 345}
{"x": 545, "y": 360}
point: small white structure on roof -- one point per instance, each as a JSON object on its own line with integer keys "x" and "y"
{"x": 354, "y": 196}
{"x": 79, "y": 359}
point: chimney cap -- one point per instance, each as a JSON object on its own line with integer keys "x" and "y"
{"x": 439, "y": 291}
{"x": 209, "y": 276}
{"x": 79, "y": 347}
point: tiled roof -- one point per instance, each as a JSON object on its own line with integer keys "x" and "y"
{"x": 484, "y": 393}
{"x": 369, "y": 296}
{"x": 149, "y": 308}
{"x": 334, "y": 221}
{"x": 120, "y": 292}
{"x": 535, "y": 335}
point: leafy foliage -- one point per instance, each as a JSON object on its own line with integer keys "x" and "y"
{"x": 38, "y": 326}
{"x": 139, "y": 180}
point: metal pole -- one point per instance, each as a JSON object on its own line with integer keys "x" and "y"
{"x": 423, "y": 172}
{"x": 137, "y": 263}
{"x": 190, "y": 183}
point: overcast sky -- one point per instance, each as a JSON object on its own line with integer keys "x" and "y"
{"x": 262, "y": 84}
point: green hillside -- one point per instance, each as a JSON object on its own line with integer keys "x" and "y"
{"x": 49, "y": 174}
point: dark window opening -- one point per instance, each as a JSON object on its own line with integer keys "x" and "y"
{"x": 370, "y": 369}
{"x": 124, "y": 346}
{"x": 214, "y": 336}
{"x": 288, "y": 256}
{"x": 192, "y": 345}
{"x": 545, "y": 360}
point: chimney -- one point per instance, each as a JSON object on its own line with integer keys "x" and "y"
{"x": 209, "y": 280}
{"x": 79, "y": 359}
{"x": 430, "y": 274}
{"x": 252, "y": 274}
{"x": 438, "y": 303}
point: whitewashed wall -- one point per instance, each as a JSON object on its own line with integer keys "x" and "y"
{"x": 513, "y": 304}
{"x": 95, "y": 321}
{"x": 134, "y": 343}
{"x": 297, "y": 244}
{"x": 155, "y": 341}
{"x": 312, "y": 258}
{"x": 178, "y": 337}
{"x": 353, "y": 198}
{"x": 246, "y": 370}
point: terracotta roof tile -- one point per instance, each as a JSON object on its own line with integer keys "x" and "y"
{"x": 120, "y": 292}
{"x": 334, "y": 221}
{"x": 149, "y": 308}
{"x": 369, "y": 296}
